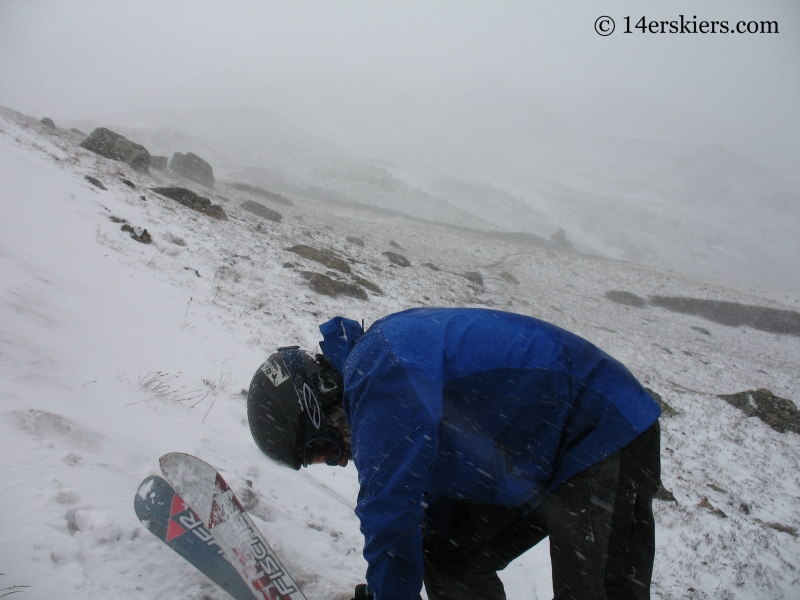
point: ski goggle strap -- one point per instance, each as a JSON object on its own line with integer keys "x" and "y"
{"x": 331, "y": 436}
{"x": 304, "y": 386}
{"x": 312, "y": 408}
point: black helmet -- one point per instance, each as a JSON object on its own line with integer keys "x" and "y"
{"x": 290, "y": 397}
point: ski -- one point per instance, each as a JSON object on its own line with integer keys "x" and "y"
{"x": 167, "y": 516}
{"x": 205, "y": 490}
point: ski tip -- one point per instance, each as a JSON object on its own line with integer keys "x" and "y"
{"x": 172, "y": 456}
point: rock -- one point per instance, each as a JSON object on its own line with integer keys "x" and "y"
{"x": 702, "y": 330}
{"x": 261, "y": 193}
{"x": 112, "y": 145}
{"x": 159, "y": 162}
{"x": 665, "y": 495}
{"x": 365, "y": 283}
{"x": 394, "y": 244}
{"x": 191, "y": 200}
{"x": 780, "y": 414}
{"x": 508, "y": 277}
{"x": 261, "y": 211}
{"x": 792, "y": 531}
{"x": 48, "y": 122}
{"x": 559, "y": 241}
{"x": 473, "y": 277}
{"x": 95, "y": 182}
{"x": 78, "y": 131}
{"x": 397, "y": 259}
{"x": 129, "y": 183}
{"x": 355, "y": 240}
{"x": 704, "y": 503}
{"x": 626, "y": 298}
{"x": 431, "y": 266}
{"x": 772, "y": 320}
{"x": 666, "y": 409}
{"x": 192, "y": 167}
{"x": 322, "y": 284}
{"x": 138, "y": 234}
{"x": 324, "y": 257}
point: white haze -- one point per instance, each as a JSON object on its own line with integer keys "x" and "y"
{"x": 674, "y": 151}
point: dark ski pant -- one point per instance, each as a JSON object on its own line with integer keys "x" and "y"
{"x": 601, "y": 528}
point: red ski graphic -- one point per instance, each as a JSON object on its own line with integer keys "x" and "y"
{"x": 212, "y": 499}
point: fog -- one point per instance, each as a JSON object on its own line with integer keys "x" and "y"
{"x": 678, "y": 151}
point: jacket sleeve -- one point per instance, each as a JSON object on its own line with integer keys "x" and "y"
{"x": 394, "y": 447}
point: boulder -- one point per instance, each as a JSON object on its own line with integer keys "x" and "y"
{"x": 49, "y": 122}
{"x": 192, "y": 167}
{"x": 261, "y": 211}
{"x": 559, "y": 241}
{"x": 398, "y": 259}
{"x": 112, "y": 145}
{"x": 159, "y": 162}
{"x": 191, "y": 200}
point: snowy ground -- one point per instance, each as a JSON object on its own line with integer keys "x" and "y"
{"x": 113, "y": 353}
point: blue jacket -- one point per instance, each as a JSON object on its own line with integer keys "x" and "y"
{"x": 470, "y": 404}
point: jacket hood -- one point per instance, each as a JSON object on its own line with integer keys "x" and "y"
{"x": 339, "y": 336}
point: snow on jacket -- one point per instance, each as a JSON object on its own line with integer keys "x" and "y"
{"x": 470, "y": 404}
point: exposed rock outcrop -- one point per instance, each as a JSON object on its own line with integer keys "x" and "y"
{"x": 666, "y": 409}
{"x": 509, "y": 278}
{"x": 192, "y": 167}
{"x": 324, "y": 257}
{"x": 261, "y": 211}
{"x": 366, "y": 283}
{"x": 159, "y": 162}
{"x": 779, "y": 413}
{"x": 138, "y": 234}
{"x": 558, "y": 241}
{"x": 95, "y": 182}
{"x": 397, "y": 259}
{"x": 112, "y": 145}
{"x": 626, "y": 298}
{"x": 261, "y": 193}
{"x": 773, "y": 320}
{"x": 322, "y": 284}
{"x": 191, "y": 200}
{"x": 473, "y": 277}
{"x": 49, "y": 122}
{"x": 355, "y": 240}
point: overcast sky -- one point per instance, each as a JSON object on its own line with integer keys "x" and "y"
{"x": 376, "y": 73}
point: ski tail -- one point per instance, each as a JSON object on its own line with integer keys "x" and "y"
{"x": 167, "y": 516}
{"x": 214, "y": 502}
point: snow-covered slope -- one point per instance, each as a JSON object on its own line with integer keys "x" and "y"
{"x": 113, "y": 353}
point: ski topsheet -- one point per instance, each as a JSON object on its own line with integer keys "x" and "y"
{"x": 169, "y": 518}
{"x": 216, "y": 505}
